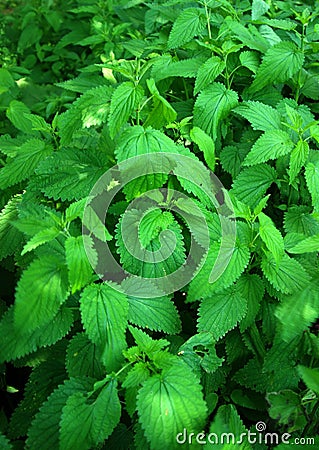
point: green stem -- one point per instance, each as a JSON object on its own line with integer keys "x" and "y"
{"x": 208, "y": 22}
{"x": 256, "y": 341}
{"x": 311, "y": 419}
{"x": 302, "y": 46}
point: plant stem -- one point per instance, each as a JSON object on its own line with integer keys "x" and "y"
{"x": 302, "y": 46}
{"x": 208, "y": 22}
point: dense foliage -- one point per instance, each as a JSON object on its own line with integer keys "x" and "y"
{"x": 87, "y": 84}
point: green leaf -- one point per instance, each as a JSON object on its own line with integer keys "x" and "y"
{"x": 262, "y": 117}
{"x": 221, "y": 313}
{"x": 169, "y": 402}
{"x": 285, "y": 406}
{"x": 4, "y": 442}
{"x": 279, "y": 64}
{"x": 22, "y": 166}
{"x": 297, "y": 311}
{"x": 212, "y": 106}
{"x": 311, "y": 244}
{"x": 252, "y": 183}
{"x": 312, "y": 179}
{"x": 271, "y": 236}
{"x": 70, "y": 174}
{"x": 83, "y": 358}
{"x": 11, "y": 239}
{"x": 44, "y": 431}
{"x": 250, "y": 60}
{"x": 231, "y": 158}
{"x": 208, "y": 72}
{"x": 159, "y": 314}
{"x": 16, "y": 114}
{"x": 38, "y": 123}
{"x": 162, "y": 113}
{"x": 104, "y": 312}
{"x": 125, "y": 100}
{"x": 271, "y": 145}
{"x": 40, "y": 292}
{"x": 251, "y": 288}
{"x": 310, "y": 377}
{"x": 186, "y": 68}
{"x": 85, "y": 424}
{"x": 18, "y": 342}
{"x": 298, "y": 158}
{"x": 205, "y": 144}
{"x": 138, "y": 141}
{"x": 259, "y": 8}
{"x": 6, "y": 81}
{"x": 288, "y": 277}
{"x": 299, "y": 220}
{"x": 190, "y": 23}
{"x": 40, "y": 238}
{"x": 79, "y": 267}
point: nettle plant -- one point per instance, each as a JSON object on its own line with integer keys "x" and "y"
{"x": 86, "y": 85}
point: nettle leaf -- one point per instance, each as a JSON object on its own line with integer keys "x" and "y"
{"x": 83, "y": 358}
{"x": 159, "y": 314}
{"x": 310, "y": 377}
{"x": 18, "y": 341}
{"x": 284, "y": 405}
{"x": 70, "y": 174}
{"x": 40, "y": 292}
{"x": 299, "y": 220}
{"x": 79, "y": 267}
{"x": 271, "y": 145}
{"x": 125, "y": 100}
{"x": 137, "y": 141}
{"x": 169, "y": 402}
{"x": 251, "y": 288}
{"x": 11, "y": 239}
{"x": 271, "y": 236}
{"x": 208, "y": 72}
{"x": 279, "y": 64}
{"x": 104, "y": 312}
{"x": 308, "y": 245}
{"x": 312, "y": 179}
{"x": 4, "y": 442}
{"x": 250, "y": 60}
{"x": 94, "y": 105}
{"x": 162, "y": 112}
{"x": 44, "y": 431}
{"x": 231, "y": 158}
{"x": 212, "y": 106}
{"x": 22, "y": 166}
{"x": 16, "y": 114}
{"x": 259, "y": 8}
{"x": 205, "y": 144}
{"x": 221, "y": 312}
{"x": 298, "y": 311}
{"x": 262, "y": 117}
{"x": 40, "y": 238}
{"x": 186, "y": 68}
{"x": 288, "y": 276}
{"x": 253, "y": 182}
{"x": 298, "y": 157}
{"x": 85, "y": 423}
{"x": 190, "y": 23}
{"x": 163, "y": 255}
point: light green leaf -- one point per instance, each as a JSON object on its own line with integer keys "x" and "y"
{"x": 125, "y": 100}
{"x": 297, "y": 311}
{"x": 298, "y": 158}
{"x": 162, "y": 112}
{"x": 221, "y": 312}
{"x": 288, "y": 277}
{"x": 252, "y": 183}
{"x": 310, "y": 377}
{"x": 271, "y": 236}
{"x": 212, "y": 106}
{"x": 271, "y": 145}
{"x": 262, "y": 117}
{"x": 250, "y": 60}
{"x": 38, "y": 123}
{"x": 189, "y": 23}
{"x": 16, "y": 114}
{"x": 279, "y": 64}
{"x": 205, "y": 144}
{"x": 312, "y": 179}
{"x": 259, "y": 8}
{"x": 169, "y": 402}
{"x": 40, "y": 238}
{"x": 6, "y": 81}
{"x": 208, "y": 72}
{"x": 40, "y": 292}
{"x": 308, "y": 245}
{"x": 104, "y": 312}
{"x": 84, "y": 423}
{"x": 22, "y": 166}
{"x": 11, "y": 239}
{"x": 79, "y": 267}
